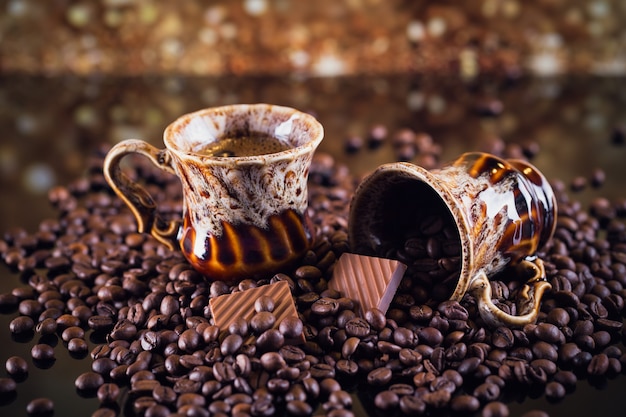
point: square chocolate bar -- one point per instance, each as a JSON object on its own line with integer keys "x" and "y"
{"x": 371, "y": 282}
{"x": 229, "y": 307}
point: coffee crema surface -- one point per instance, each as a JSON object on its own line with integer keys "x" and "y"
{"x": 251, "y": 144}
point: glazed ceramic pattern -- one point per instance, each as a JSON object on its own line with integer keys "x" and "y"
{"x": 243, "y": 216}
{"x": 504, "y": 212}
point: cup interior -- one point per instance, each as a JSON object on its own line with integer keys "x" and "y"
{"x": 194, "y": 132}
{"x": 398, "y": 215}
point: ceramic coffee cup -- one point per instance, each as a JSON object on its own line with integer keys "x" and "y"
{"x": 504, "y": 212}
{"x": 244, "y": 171}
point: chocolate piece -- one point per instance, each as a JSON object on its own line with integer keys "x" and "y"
{"x": 370, "y": 281}
{"x": 228, "y": 308}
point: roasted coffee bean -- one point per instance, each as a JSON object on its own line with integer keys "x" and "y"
{"x": 487, "y": 392}
{"x": 502, "y": 338}
{"x": 308, "y": 272}
{"x": 423, "y": 378}
{"x": 598, "y": 365}
{"x": 7, "y": 386}
{"x": 88, "y": 381}
{"x": 100, "y": 323}
{"x": 453, "y": 310}
{"x": 566, "y": 378}
{"x": 549, "y": 333}
{"x": 103, "y": 365}
{"x": 262, "y": 321}
{"x": 272, "y": 361}
{"x": 291, "y": 353}
{"x": 404, "y": 337}
{"x": 21, "y": 325}
{"x": 271, "y": 339}
{"x": 544, "y": 350}
{"x": 164, "y": 394}
{"x": 16, "y": 366}
{"x": 67, "y": 320}
{"x": 108, "y": 393}
{"x": 468, "y": 365}
{"x": 357, "y": 327}
{"x": 42, "y": 352}
{"x": 495, "y": 409}
{"x": 185, "y": 385}
{"x": 325, "y": 307}
{"x": 554, "y": 391}
{"x": 379, "y": 376}
{"x": 263, "y": 408}
{"x": 239, "y": 326}
{"x": 277, "y": 385}
{"x": 386, "y": 400}
{"x": 412, "y": 405}
{"x": 322, "y": 370}
{"x": 582, "y": 359}
{"x": 190, "y": 340}
{"x": 375, "y": 318}
{"x": 224, "y": 372}
{"x": 409, "y": 357}
{"x": 40, "y": 407}
{"x": 291, "y": 327}
{"x": 430, "y": 336}
{"x": 464, "y": 403}
{"x": 299, "y": 408}
{"x": 72, "y": 332}
{"x": 347, "y": 367}
{"x": 547, "y": 366}
{"x": 150, "y": 340}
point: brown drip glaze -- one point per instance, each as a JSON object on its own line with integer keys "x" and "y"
{"x": 529, "y": 198}
{"x": 223, "y": 257}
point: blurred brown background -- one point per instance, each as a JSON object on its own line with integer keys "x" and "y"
{"x": 322, "y": 37}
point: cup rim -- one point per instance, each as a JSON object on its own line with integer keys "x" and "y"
{"x": 315, "y": 131}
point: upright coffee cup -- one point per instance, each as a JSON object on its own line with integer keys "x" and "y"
{"x": 244, "y": 171}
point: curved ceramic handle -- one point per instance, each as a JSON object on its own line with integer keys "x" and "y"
{"x": 134, "y": 195}
{"x": 529, "y": 298}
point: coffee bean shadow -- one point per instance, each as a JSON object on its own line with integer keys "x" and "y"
{"x": 7, "y": 398}
{"x": 23, "y": 337}
{"x": 598, "y": 382}
{"x": 49, "y": 339}
{"x": 20, "y": 377}
{"x": 44, "y": 363}
{"x": 520, "y": 392}
{"x": 77, "y": 355}
{"x": 98, "y": 337}
{"x": 87, "y": 393}
{"x": 113, "y": 407}
{"x": 8, "y": 308}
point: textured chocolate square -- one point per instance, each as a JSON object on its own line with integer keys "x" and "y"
{"x": 228, "y": 307}
{"x": 371, "y": 282}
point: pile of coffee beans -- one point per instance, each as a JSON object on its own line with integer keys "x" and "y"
{"x": 91, "y": 276}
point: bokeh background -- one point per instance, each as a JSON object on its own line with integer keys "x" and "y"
{"x": 319, "y": 38}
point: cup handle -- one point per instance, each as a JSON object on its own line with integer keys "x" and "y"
{"x": 529, "y": 298}
{"x": 134, "y": 195}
